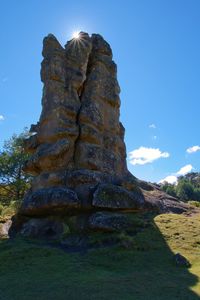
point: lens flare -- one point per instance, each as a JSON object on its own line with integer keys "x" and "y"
{"x": 76, "y": 35}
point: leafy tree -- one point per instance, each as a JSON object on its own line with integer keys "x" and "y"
{"x": 188, "y": 187}
{"x": 193, "y": 178}
{"x": 13, "y": 181}
{"x": 169, "y": 189}
{"x": 185, "y": 190}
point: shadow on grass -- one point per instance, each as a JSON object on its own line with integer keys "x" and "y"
{"x": 144, "y": 271}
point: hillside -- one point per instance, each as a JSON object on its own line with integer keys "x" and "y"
{"x": 139, "y": 266}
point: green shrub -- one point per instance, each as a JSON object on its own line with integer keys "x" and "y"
{"x": 185, "y": 190}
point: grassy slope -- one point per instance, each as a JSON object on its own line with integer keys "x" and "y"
{"x": 145, "y": 271}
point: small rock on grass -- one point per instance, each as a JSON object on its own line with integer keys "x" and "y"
{"x": 181, "y": 261}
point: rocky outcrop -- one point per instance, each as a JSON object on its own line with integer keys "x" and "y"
{"x": 78, "y": 143}
{"x": 78, "y": 154}
{"x": 162, "y": 203}
{"x": 79, "y": 125}
{"x": 4, "y": 228}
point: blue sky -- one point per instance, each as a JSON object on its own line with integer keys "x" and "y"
{"x": 156, "y": 46}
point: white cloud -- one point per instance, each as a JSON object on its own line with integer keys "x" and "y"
{"x": 193, "y": 149}
{"x": 184, "y": 170}
{"x": 152, "y": 126}
{"x": 143, "y": 155}
{"x": 2, "y": 118}
{"x": 173, "y": 178}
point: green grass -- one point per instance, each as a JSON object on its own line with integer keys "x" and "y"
{"x": 194, "y": 203}
{"x": 143, "y": 270}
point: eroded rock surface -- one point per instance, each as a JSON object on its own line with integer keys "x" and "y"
{"x": 116, "y": 197}
{"x": 42, "y": 228}
{"x": 79, "y": 126}
{"x": 78, "y": 142}
{"x": 108, "y": 222}
{"x": 49, "y": 201}
{"x": 78, "y": 154}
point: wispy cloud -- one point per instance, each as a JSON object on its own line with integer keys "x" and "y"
{"x": 193, "y": 149}
{"x": 2, "y": 118}
{"x": 152, "y": 126}
{"x": 143, "y": 155}
{"x": 173, "y": 178}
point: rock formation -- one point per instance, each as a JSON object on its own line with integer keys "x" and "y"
{"x": 78, "y": 155}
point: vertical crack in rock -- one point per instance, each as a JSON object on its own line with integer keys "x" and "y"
{"x": 77, "y": 53}
{"x": 80, "y": 93}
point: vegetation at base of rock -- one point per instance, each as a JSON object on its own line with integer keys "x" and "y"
{"x": 188, "y": 187}
{"x": 140, "y": 267}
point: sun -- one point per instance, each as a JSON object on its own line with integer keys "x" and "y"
{"x": 76, "y": 35}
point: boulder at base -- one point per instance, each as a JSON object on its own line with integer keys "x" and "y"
{"x": 108, "y": 222}
{"x": 49, "y": 201}
{"x": 116, "y": 197}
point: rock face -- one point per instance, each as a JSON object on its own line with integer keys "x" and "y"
{"x": 78, "y": 142}
{"x": 78, "y": 155}
{"x": 79, "y": 125}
